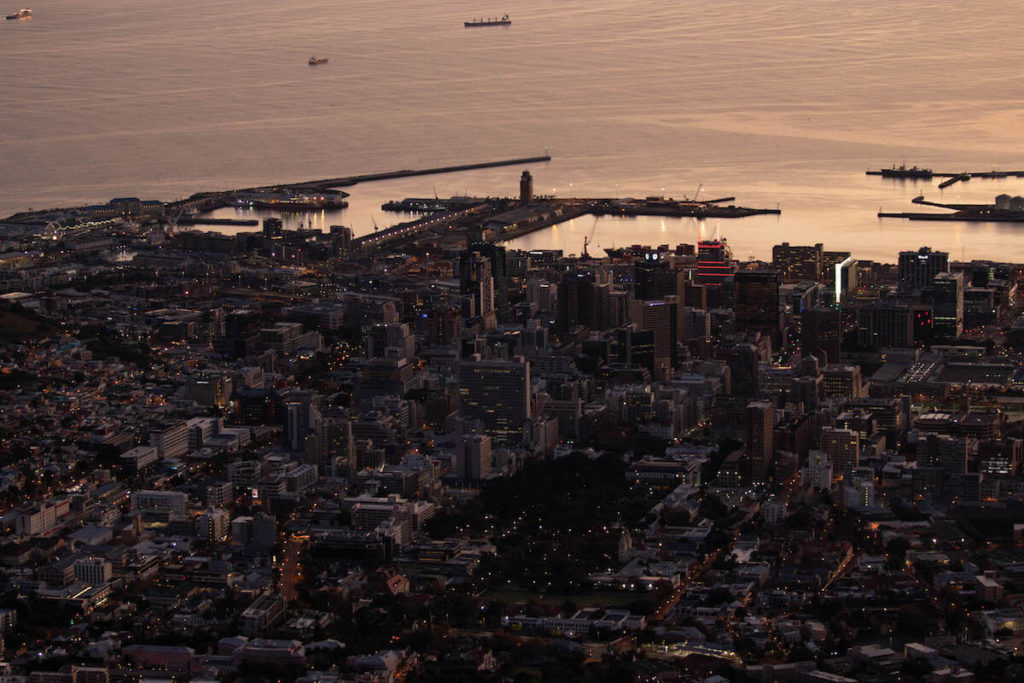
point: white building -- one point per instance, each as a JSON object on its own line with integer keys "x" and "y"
{"x": 93, "y": 571}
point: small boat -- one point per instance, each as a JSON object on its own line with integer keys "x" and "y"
{"x": 503, "y": 21}
{"x": 21, "y": 14}
{"x": 313, "y": 61}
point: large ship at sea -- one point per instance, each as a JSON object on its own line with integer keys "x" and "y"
{"x": 503, "y": 21}
{"x": 903, "y": 171}
{"x": 21, "y": 14}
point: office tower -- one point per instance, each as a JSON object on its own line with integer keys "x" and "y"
{"x": 947, "y": 307}
{"x": 1000, "y": 458}
{"x": 477, "y": 280}
{"x": 714, "y": 262}
{"x": 793, "y": 434}
{"x": 655, "y": 279}
{"x": 842, "y": 446}
{"x": 884, "y": 324}
{"x": 821, "y": 331}
{"x": 796, "y": 263}
{"x": 744, "y": 371}
{"x": 760, "y": 440}
{"x": 525, "y": 188}
{"x": 636, "y": 347}
{"x": 661, "y": 318}
{"x": 818, "y": 471}
{"x": 390, "y": 340}
{"x": 756, "y": 301}
{"x": 842, "y": 381}
{"x": 272, "y": 227}
{"x": 944, "y": 451}
{"x": 499, "y": 267}
{"x": 497, "y": 393}
{"x": 844, "y": 279}
{"x": 829, "y": 259}
{"x": 917, "y": 269}
{"x": 581, "y": 302}
{"x": 444, "y": 326}
{"x": 473, "y": 455}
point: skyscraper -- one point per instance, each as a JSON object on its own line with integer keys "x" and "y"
{"x": 948, "y": 307}
{"x": 714, "y": 262}
{"x": 918, "y": 268}
{"x": 477, "y": 280}
{"x": 756, "y": 302}
{"x": 842, "y": 446}
{"x": 760, "y": 435}
{"x": 661, "y": 318}
{"x": 821, "y": 331}
{"x": 497, "y": 393}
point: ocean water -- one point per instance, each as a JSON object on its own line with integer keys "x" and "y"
{"x": 781, "y": 103}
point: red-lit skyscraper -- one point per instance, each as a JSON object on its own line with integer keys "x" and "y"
{"x": 714, "y": 262}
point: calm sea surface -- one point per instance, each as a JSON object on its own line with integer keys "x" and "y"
{"x": 779, "y": 103}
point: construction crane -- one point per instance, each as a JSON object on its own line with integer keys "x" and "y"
{"x": 588, "y": 238}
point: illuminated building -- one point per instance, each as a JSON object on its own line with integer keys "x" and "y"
{"x": 714, "y": 262}
{"x": 842, "y": 446}
{"x": 948, "y": 302}
{"x": 845, "y": 279}
{"x": 497, "y": 393}
{"x": 796, "y": 263}
{"x": 917, "y": 269}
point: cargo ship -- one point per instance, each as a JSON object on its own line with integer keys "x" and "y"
{"x": 503, "y": 21}
{"x": 21, "y": 14}
{"x": 902, "y": 171}
{"x": 313, "y": 61}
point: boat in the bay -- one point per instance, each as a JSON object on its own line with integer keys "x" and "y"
{"x": 21, "y": 14}
{"x": 313, "y": 61}
{"x": 902, "y": 171}
{"x": 503, "y": 21}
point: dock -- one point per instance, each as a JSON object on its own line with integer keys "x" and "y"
{"x": 962, "y": 177}
{"x": 915, "y": 173}
{"x": 208, "y": 201}
{"x": 199, "y": 220}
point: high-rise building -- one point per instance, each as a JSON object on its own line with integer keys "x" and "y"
{"x": 884, "y": 324}
{"x": 656, "y": 280}
{"x": 714, "y": 262}
{"x": 477, "y": 280}
{"x": 842, "y": 381}
{"x": 844, "y": 279}
{"x": 756, "y": 301}
{"x": 497, "y": 393}
{"x": 272, "y": 227}
{"x": 390, "y": 340}
{"x": 744, "y": 371}
{"x": 842, "y": 447}
{"x": 760, "y": 440}
{"x": 917, "y": 269}
{"x": 581, "y": 302}
{"x": 661, "y": 318}
{"x": 948, "y": 307}
{"x": 796, "y": 263}
{"x": 473, "y": 456}
{"x": 821, "y": 331}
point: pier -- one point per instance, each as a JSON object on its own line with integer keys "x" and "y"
{"x": 915, "y": 173}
